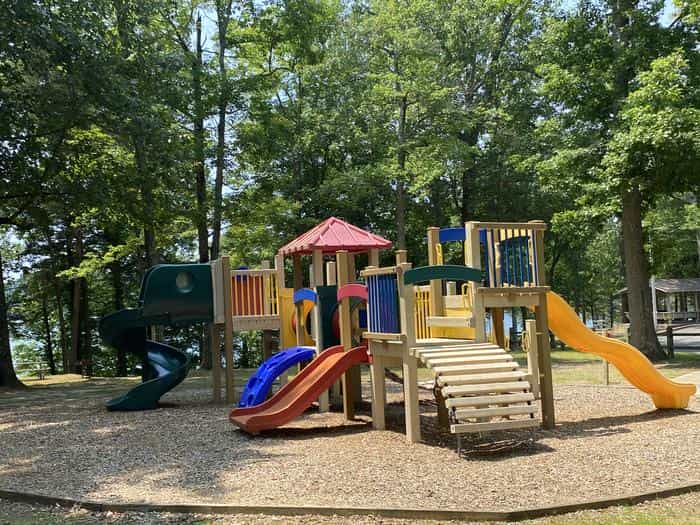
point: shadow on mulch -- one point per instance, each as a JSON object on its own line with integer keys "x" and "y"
{"x": 611, "y": 425}
{"x": 301, "y": 433}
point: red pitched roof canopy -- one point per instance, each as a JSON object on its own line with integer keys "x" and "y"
{"x": 333, "y": 235}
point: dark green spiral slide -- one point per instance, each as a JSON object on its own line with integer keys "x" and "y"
{"x": 171, "y": 295}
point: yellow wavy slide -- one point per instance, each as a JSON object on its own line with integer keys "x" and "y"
{"x": 631, "y": 363}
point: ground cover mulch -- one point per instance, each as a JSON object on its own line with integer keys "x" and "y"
{"x": 609, "y": 441}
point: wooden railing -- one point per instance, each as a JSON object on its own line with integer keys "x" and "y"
{"x": 510, "y": 253}
{"x": 40, "y": 368}
{"x": 422, "y": 312}
{"x": 254, "y": 292}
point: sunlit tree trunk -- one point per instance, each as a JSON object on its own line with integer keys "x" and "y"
{"x": 48, "y": 338}
{"x": 642, "y": 329}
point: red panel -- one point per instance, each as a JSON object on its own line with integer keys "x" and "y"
{"x": 352, "y": 290}
{"x": 247, "y": 294}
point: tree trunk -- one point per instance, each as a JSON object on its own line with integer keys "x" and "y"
{"x": 8, "y": 377}
{"x": 200, "y": 176}
{"x": 400, "y": 179}
{"x": 62, "y": 332}
{"x": 470, "y": 139}
{"x": 199, "y": 168}
{"x": 118, "y": 303}
{"x": 58, "y": 296}
{"x": 223, "y": 15}
{"x": 48, "y": 339}
{"x": 695, "y": 201}
{"x": 73, "y": 360}
{"x": 86, "y": 343}
{"x": 642, "y": 329}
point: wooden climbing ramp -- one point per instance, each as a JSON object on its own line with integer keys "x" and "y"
{"x": 483, "y": 387}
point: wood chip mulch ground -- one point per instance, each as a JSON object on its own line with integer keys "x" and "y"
{"x": 609, "y": 441}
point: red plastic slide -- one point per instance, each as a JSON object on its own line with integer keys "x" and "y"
{"x": 300, "y": 392}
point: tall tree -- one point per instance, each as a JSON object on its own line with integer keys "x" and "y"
{"x": 594, "y": 59}
{"x": 223, "y": 19}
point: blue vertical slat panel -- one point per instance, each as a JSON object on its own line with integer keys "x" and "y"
{"x": 382, "y": 295}
{"x": 384, "y": 313}
{"x": 373, "y": 302}
{"x": 528, "y": 268}
{"x": 397, "y": 319}
{"x": 483, "y": 240}
{"x": 516, "y": 260}
{"x": 377, "y": 305}
{"x": 393, "y": 301}
{"x": 382, "y": 304}
{"x": 536, "y": 263}
{"x": 370, "y": 304}
{"x": 508, "y": 248}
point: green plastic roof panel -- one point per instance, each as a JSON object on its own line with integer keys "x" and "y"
{"x": 450, "y": 272}
{"x": 178, "y": 294}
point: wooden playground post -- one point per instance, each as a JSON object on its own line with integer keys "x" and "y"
{"x": 344, "y": 321}
{"x": 355, "y": 373}
{"x": 298, "y": 281}
{"x": 532, "y": 356}
{"x": 544, "y": 349}
{"x": 228, "y": 329}
{"x": 331, "y": 275}
{"x": 351, "y": 268}
{"x": 435, "y": 285}
{"x": 215, "y": 329}
{"x": 410, "y": 363}
{"x": 472, "y": 258}
{"x": 279, "y": 268}
{"x": 215, "y": 344}
{"x": 317, "y": 280}
{"x": 498, "y": 327}
{"x": 401, "y": 257}
{"x": 373, "y": 258}
{"x": 301, "y": 325}
{"x": 268, "y": 293}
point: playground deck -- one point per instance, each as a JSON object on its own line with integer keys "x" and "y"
{"x": 59, "y": 440}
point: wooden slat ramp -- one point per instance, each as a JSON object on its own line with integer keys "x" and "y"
{"x": 483, "y": 386}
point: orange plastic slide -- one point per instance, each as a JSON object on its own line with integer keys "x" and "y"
{"x": 631, "y": 363}
{"x": 300, "y": 392}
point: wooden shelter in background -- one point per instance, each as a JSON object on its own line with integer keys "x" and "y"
{"x": 673, "y": 300}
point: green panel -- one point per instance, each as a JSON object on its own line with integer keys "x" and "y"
{"x": 178, "y": 294}
{"x": 450, "y": 272}
{"x": 328, "y": 303}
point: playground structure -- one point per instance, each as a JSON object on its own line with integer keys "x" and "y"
{"x": 246, "y": 299}
{"x": 478, "y": 385}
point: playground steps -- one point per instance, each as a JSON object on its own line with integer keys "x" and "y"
{"x": 443, "y": 321}
{"x": 483, "y": 387}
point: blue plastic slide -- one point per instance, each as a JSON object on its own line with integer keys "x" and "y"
{"x": 259, "y": 384}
